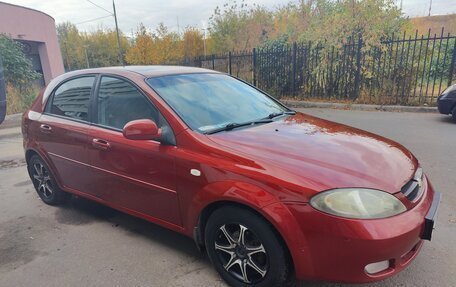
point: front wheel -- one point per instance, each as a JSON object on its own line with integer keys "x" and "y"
{"x": 244, "y": 249}
{"x": 453, "y": 114}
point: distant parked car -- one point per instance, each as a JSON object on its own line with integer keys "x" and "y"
{"x": 447, "y": 102}
{"x": 268, "y": 192}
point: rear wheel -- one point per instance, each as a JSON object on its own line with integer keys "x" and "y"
{"x": 44, "y": 182}
{"x": 244, "y": 249}
{"x": 453, "y": 114}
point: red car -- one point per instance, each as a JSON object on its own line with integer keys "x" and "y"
{"x": 270, "y": 193}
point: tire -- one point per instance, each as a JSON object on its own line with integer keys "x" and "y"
{"x": 44, "y": 182}
{"x": 453, "y": 114}
{"x": 267, "y": 253}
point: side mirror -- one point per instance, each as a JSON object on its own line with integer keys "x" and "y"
{"x": 142, "y": 130}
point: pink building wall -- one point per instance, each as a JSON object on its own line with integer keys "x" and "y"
{"x": 26, "y": 24}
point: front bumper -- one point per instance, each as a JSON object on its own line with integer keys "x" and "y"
{"x": 339, "y": 248}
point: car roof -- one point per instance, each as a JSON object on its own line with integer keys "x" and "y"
{"x": 149, "y": 71}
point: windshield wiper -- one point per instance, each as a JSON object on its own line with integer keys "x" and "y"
{"x": 277, "y": 114}
{"x": 231, "y": 126}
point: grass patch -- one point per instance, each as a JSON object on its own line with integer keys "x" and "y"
{"x": 19, "y": 99}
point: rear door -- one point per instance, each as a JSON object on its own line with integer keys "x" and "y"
{"x": 63, "y": 130}
{"x": 135, "y": 174}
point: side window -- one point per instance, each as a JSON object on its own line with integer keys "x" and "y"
{"x": 72, "y": 98}
{"x": 119, "y": 102}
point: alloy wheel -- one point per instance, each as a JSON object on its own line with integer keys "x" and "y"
{"x": 42, "y": 180}
{"x": 241, "y": 253}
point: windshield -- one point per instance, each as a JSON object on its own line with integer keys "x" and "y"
{"x": 210, "y": 101}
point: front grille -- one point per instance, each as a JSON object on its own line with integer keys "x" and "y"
{"x": 414, "y": 188}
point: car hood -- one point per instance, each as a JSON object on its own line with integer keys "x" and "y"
{"x": 317, "y": 154}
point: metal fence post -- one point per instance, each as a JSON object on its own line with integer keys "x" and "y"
{"x": 358, "y": 69}
{"x": 401, "y": 67}
{"x": 453, "y": 60}
{"x": 229, "y": 63}
{"x": 293, "y": 74}
{"x": 254, "y": 59}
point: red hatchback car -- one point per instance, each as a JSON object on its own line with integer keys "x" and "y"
{"x": 270, "y": 193}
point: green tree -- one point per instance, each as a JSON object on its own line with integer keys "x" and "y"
{"x": 237, "y": 26}
{"x": 102, "y": 48}
{"x": 94, "y": 49}
{"x": 18, "y": 69}
{"x": 71, "y": 46}
{"x": 19, "y": 76}
{"x": 335, "y": 22}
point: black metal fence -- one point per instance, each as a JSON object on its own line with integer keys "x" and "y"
{"x": 405, "y": 70}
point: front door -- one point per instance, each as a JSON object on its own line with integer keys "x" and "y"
{"x": 135, "y": 174}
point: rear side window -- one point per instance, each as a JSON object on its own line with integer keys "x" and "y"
{"x": 119, "y": 102}
{"x": 72, "y": 98}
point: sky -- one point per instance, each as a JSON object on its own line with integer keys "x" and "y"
{"x": 176, "y": 14}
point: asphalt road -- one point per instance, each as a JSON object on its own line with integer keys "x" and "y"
{"x": 86, "y": 244}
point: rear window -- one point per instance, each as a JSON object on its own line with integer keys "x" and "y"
{"x": 72, "y": 98}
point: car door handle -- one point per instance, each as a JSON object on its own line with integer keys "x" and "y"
{"x": 101, "y": 144}
{"x": 45, "y": 129}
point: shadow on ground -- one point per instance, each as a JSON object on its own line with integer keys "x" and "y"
{"x": 80, "y": 211}
{"x": 447, "y": 119}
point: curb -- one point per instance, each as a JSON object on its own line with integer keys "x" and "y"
{"x": 360, "y": 107}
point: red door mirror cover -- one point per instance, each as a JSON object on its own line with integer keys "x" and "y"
{"x": 143, "y": 129}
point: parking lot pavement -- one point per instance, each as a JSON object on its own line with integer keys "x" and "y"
{"x": 86, "y": 244}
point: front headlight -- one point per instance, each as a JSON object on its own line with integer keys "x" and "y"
{"x": 361, "y": 203}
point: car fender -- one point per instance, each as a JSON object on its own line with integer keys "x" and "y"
{"x": 261, "y": 201}
{"x": 279, "y": 215}
{"x": 225, "y": 191}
